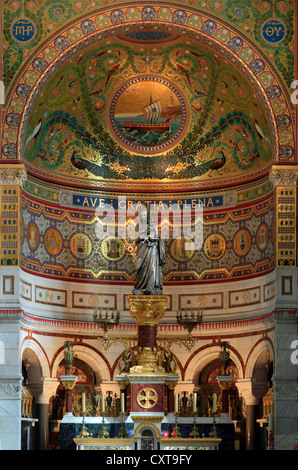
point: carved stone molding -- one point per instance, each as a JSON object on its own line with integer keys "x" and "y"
{"x": 10, "y": 390}
{"x": 285, "y": 391}
{"x": 285, "y": 175}
{"x": 12, "y": 175}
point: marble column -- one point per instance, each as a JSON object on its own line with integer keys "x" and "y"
{"x": 68, "y": 382}
{"x": 42, "y": 410}
{"x": 251, "y": 392}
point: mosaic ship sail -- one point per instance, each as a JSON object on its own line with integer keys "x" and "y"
{"x": 153, "y": 113}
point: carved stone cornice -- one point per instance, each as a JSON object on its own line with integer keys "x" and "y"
{"x": 12, "y": 174}
{"x": 284, "y": 175}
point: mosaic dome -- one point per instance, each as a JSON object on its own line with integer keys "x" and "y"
{"x": 147, "y": 106}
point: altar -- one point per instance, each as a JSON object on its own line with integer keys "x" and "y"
{"x": 149, "y": 416}
{"x": 130, "y": 444}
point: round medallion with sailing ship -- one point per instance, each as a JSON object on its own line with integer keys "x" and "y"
{"x": 148, "y": 114}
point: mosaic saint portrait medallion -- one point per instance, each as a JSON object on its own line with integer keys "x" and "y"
{"x": 53, "y": 241}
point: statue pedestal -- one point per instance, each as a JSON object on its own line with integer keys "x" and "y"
{"x": 147, "y": 381}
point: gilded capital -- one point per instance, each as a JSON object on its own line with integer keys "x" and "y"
{"x": 68, "y": 381}
{"x": 12, "y": 174}
{"x": 284, "y": 175}
{"x": 147, "y": 309}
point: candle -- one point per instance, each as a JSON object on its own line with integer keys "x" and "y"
{"x": 83, "y": 403}
{"x": 214, "y": 402}
{"x": 194, "y": 403}
{"x": 122, "y": 403}
{"x": 176, "y": 402}
{"x": 103, "y": 408}
{"x": 270, "y": 423}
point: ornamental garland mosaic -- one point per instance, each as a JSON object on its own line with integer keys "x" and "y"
{"x": 205, "y": 121}
{"x": 269, "y": 23}
{"x": 63, "y": 243}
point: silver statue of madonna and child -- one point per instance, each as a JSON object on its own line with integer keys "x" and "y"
{"x": 150, "y": 257}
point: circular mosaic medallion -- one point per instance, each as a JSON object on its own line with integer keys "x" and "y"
{"x": 148, "y": 114}
{"x": 23, "y": 30}
{"x": 242, "y": 242}
{"x": 53, "y": 241}
{"x": 80, "y": 245}
{"x": 182, "y": 249}
{"x": 273, "y": 31}
{"x": 112, "y": 248}
{"x": 214, "y": 246}
{"x": 262, "y": 237}
{"x": 33, "y": 236}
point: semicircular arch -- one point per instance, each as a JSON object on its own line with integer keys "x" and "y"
{"x": 90, "y": 356}
{"x": 204, "y": 356}
{"x": 205, "y": 29}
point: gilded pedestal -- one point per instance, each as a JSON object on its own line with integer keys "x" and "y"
{"x": 147, "y": 379}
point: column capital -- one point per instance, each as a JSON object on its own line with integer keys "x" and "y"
{"x": 284, "y": 175}
{"x": 251, "y": 391}
{"x": 68, "y": 381}
{"x": 50, "y": 386}
{"x": 12, "y": 174}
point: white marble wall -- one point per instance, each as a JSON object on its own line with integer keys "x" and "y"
{"x": 10, "y": 384}
{"x": 285, "y": 386}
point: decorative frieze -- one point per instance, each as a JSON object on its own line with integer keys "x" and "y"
{"x": 10, "y": 390}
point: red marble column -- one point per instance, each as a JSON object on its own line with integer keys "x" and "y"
{"x": 147, "y": 336}
{"x": 68, "y": 382}
{"x": 225, "y": 401}
{"x": 68, "y": 396}
{"x": 171, "y": 400}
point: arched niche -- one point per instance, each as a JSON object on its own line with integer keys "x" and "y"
{"x": 205, "y": 356}
{"x": 86, "y": 354}
{"x": 32, "y": 370}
